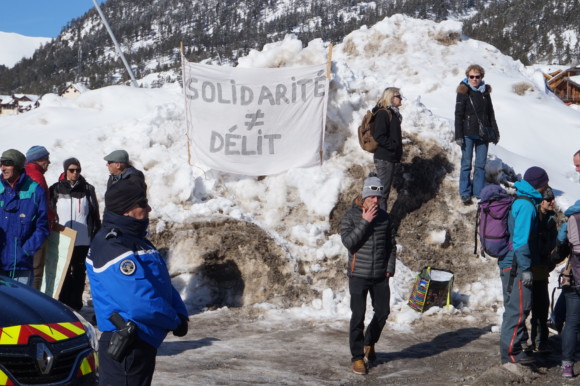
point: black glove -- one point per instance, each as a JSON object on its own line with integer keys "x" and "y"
{"x": 459, "y": 141}
{"x": 527, "y": 278}
{"x": 181, "y": 330}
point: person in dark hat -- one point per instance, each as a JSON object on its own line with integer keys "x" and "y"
{"x": 74, "y": 201}
{"x": 23, "y": 219}
{"x": 128, "y": 278}
{"x": 120, "y": 167}
{"x": 547, "y": 236}
{"x": 516, "y": 266}
{"x": 37, "y": 162}
{"x": 367, "y": 232}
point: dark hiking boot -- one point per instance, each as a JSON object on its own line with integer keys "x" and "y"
{"x": 359, "y": 367}
{"x": 370, "y": 355}
{"x": 466, "y": 200}
{"x": 524, "y": 358}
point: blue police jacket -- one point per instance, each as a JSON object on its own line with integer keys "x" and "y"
{"x": 127, "y": 275}
{"x": 23, "y": 222}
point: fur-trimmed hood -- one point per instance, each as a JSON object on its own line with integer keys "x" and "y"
{"x": 464, "y": 89}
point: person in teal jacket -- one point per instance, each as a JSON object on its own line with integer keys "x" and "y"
{"x": 516, "y": 266}
{"x": 23, "y": 218}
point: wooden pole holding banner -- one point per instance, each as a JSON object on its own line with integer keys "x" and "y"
{"x": 183, "y": 59}
{"x": 328, "y": 69}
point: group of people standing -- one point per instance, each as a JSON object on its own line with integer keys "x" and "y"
{"x": 128, "y": 277}
{"x": 368, "y": 233}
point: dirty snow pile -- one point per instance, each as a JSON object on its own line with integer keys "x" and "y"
{"x": 425, "y": 59}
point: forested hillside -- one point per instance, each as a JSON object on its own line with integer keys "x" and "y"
{"x": 151, "y": 31}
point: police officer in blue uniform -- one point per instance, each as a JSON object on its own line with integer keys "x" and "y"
{"x": 134, "y": 300}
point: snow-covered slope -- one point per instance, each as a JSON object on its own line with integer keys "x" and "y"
{"x": 14, "y": 47}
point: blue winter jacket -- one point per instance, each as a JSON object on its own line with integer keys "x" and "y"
{"x": 23, "y": 222}
{"x": 522, "y": 225}
{"x": 128, "y": 276}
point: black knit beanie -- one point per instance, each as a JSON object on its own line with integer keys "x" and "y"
{"x": 126, "y": 194}
{"x": 70, "y": 161}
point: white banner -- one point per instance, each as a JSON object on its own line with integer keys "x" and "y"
{"x": 255, "y": 121}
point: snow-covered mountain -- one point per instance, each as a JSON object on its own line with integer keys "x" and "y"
{"x": 15, "y": 47}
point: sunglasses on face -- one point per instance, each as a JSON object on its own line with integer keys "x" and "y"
{"x": 143, "y": 204}
{"x": 397, "y": 96}
{"x": 7, "y": 163}
{"x": 375, "y": 188}
{"x": 74, "y": 170}
{"x": 474, "y": 76}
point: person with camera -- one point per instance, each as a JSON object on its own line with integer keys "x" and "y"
{"x": 135, "y": 303}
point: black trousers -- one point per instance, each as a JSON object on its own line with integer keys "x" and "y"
{"x": 136, "y": 369}
{"x": 71, "y": 293}
{"x": 380, "y": 297}
{"x": 540, "y": 309}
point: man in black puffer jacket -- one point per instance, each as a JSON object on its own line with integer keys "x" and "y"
{"x": 367, "y": 232}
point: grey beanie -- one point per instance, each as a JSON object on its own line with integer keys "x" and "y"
{"x": 372, "y": 186}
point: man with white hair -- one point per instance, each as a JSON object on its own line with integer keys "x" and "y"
{"x": 367, "y": 232}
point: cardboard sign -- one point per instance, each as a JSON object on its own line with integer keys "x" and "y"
{"x": 59, "y": 249}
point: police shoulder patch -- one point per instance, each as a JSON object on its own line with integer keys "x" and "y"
{"x": 127, "y": 267}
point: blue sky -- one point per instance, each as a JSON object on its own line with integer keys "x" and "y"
{"x": 43, "y": 18}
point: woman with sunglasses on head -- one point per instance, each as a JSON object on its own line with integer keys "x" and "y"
{"x": 473, "y": 108}
{"x": 387, "y": 132}
{"x": 75, "y": 203}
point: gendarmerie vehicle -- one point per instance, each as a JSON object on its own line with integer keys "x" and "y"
{"x": 42, "y": 341}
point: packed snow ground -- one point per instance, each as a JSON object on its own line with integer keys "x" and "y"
{"x": 425, "y": 59}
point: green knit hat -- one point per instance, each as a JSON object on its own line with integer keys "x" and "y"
{"x": 15, "y": 156}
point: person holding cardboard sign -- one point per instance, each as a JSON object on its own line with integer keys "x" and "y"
{"x": 75, "y": 203}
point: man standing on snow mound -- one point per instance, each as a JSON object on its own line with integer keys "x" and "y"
{"x": 516, "y": 266}
{"x": 366, "y": 231}
{"x": 120, "y": 168}
{"x": 133, "y": 297}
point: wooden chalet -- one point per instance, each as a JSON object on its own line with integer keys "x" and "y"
{"x": 565, "y": 84}
{"x": 73, "y": 90}
{"x": 17, "y": 103}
